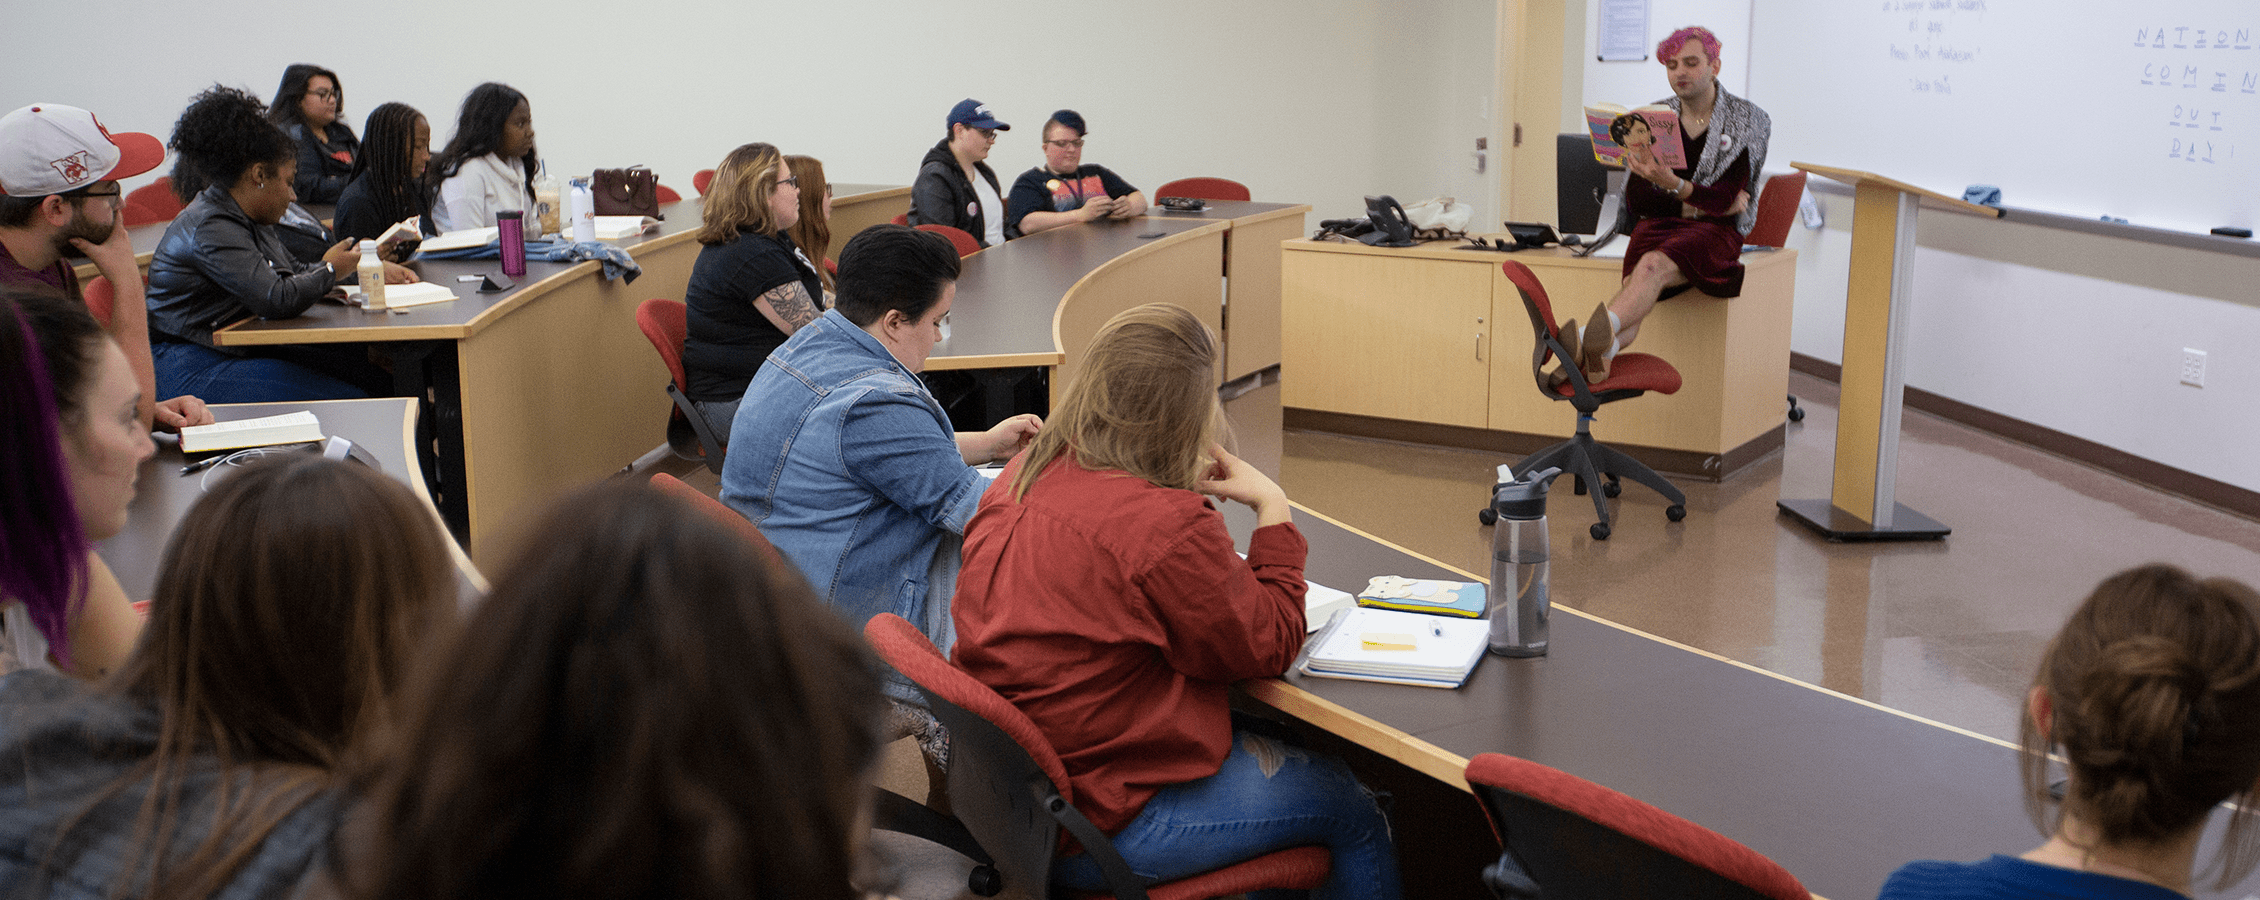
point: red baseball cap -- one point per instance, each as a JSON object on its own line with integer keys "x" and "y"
{"x": 49, "y": 148}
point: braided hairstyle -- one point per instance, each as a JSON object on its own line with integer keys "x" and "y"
{"x": 387, "y": 152}
{"x": 222, "y": 134}
{"x": 2153, "y": 692}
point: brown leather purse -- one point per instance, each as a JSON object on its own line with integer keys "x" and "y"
{"x": 633, "y": 191}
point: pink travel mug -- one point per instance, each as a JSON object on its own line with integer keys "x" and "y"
{"x": 512, "y": 227}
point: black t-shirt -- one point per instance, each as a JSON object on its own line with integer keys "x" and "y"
{"x": 1042, "y": 190}
{"x": 728, "y": 336}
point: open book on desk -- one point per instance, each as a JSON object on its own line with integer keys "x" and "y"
{"x": 1365, "y": 644}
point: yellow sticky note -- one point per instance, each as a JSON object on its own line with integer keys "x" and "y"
{"x": 1378, "y": 640}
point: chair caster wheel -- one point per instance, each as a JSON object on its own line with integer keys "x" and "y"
{"x": 984, "y": 881}
{"x": 1675, "y": 512}
{"x": 1796, "y": 414}
{"x": 1487, "y": 515}
{"x": 1600, "y": 531}
{"x": 1612, "y": 489}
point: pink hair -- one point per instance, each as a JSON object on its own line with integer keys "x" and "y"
{"x": 1670, "y": 47}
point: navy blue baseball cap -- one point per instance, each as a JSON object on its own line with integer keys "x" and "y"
{"x": 975, "y": 114}
{"x": 1071, "y": 119}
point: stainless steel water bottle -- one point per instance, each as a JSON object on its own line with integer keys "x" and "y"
{"x": 1518, "y": 601}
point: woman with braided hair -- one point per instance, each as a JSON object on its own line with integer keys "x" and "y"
{"x": 2151, "y": 694}
{"x": 388, "y": 177}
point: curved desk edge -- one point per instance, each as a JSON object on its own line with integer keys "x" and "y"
{"x": 1080, "y": 297}
{"x": 408, "y": 417}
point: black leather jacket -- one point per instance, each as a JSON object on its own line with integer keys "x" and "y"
{"x": 214, "y": 266}
{"x": 942, "y": 195}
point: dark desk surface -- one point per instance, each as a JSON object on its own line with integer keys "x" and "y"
{"x": 1227, "y": 210}
{"x": 1838, "y": 790}
{"x": 329, "y": 322}
{"x": 385, "y": 427}
{"x": 1007, "y": 295}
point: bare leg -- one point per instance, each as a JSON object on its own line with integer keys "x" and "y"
{"x": 1650, "y": 277}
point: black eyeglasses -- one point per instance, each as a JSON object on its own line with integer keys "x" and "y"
{"x": 111, "y": 195}
{"x": 1076, "y": 143}
{"x": 794, "y": 181}
{"x": 325, "y": 94}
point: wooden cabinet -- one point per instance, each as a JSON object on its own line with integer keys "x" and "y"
{"x": 1396, "y": 337}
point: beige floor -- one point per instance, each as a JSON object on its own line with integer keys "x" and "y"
{"x": 1948, "y": 630}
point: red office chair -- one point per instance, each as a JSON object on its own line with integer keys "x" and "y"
{"x": 664, "y": 324}
{"x": 701, "y": 180}
{"x": 152, "y": 202}
{"x": 1630, "y": 375}
{"x": 903, "y": 219}
{"x": 1777, "y": 208}
{"x": 667, "y": 195}
{"x": 1011, "y": 790}
{"x": 716, "y": 510}
{"x": 964, "y": 242}
{"x": 101, "y": 298}
{"x": 1567, "y": 838}
{"x": 1204, "y": 188}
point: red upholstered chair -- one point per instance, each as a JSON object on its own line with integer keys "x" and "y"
{"x": 665, "y": 324}
{"x": 1630, "y": 375}
{"x": 668, "y": 194}
{"x": 719, "y": 512}
{"x": 1011, "y": 790}
{"x": 1204, "y": 188}
{"x": 965, "y": 243}
{"x": 1777, "y": 208}
{"x": 701, "y": 180}
{"x": 101, "y": 296}
{"x": 152, "y": 202}
{"x": 1570, "y": 839}
{"x": 903, "y": 219}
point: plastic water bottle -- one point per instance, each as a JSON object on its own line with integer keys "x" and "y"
{"x": 372, "y": 272}
{"x": 583, "y": 211}
{"x": 1518, "y": 600}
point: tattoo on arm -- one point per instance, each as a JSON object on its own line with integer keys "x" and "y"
{"x": 792, "y": 305}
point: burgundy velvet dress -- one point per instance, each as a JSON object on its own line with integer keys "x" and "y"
{"x": 1707, "y": 248}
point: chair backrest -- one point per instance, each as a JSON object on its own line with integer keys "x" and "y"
{"x": 719, "y": 512}
{"x": 903, "y": 219}
{"x": 1002, "y": 768}
{"x": 665, "y": 324}
{"x": 152, "y": 202}
{"x": 1777, "y": 208}
{"x": 101, "y": 297}
{"x": 964, "y": 242}
{"x": 1541, "y": 312}
{"x": 701, "y": 179}
{"x": 1204, "y": 188}
{"x": 668, "y": 194}
{"x": 1577, "y": 839}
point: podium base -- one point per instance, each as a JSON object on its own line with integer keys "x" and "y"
{"x": 1838, "y": 525}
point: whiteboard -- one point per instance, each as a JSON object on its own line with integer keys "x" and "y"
{"x": 2144, "y": 111}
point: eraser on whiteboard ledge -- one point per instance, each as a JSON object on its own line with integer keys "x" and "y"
{"x": 2227, "y": 231}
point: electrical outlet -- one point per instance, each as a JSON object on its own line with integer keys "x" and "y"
{"x": 2193, "y": 367}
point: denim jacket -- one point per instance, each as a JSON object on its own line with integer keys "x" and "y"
{"x": 841, "y": 457}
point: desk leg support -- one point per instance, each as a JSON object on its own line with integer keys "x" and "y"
{"x": 1861, "y": 506}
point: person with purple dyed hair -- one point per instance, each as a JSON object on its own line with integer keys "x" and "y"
{"x": 68, "y": 460}
{"x": 1687, "y": 224}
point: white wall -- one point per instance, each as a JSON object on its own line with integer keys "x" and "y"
{"x": 1300, "y": 100}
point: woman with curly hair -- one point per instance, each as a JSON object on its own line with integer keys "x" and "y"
{"x": 310, "y": 107}
{"x": 488, "y": 166}
{"x": 221, "y": 260}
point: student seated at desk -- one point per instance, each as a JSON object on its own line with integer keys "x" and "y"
{"x": 2152, "y": 692}
{"x": 1064, "y": 191}
{"x": 74, "y": 447}
{"x": 1102, "y": 596}
{"x": 955, "y": 186}
{"x": 812, "y": 232}
{"x": 644, "y": 707}
{"x": 221, "y": 260}
{"x": 388, "y": 177}
{"x": 751, "y": 288}
{"x": 310, "y": 107}
{"x": 488, "y": 166}
{"x": 50, "y": 214}
{"x": 290, "y": 601}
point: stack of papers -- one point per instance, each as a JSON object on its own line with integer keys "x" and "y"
{"x": 398, "y": 296}
{"x": 457, "y": 240}
{"x": 613, "y": 228}
{"x": 1398, "y": 647}
{"x": 289, "y": 428}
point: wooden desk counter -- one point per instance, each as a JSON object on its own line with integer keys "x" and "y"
{"x": 1251, "y": 276}
{"x": 1395, "y": 342}
{"x": 859, "y": 206}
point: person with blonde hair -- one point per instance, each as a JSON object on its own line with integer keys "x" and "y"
{"x": 290, "y": 603}
{"x": 751, "y": 287}
{"x": 1101, "y": 595}
{"x": 2151, "y": 695}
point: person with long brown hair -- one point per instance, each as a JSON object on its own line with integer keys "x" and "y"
{"x": 751, "y": 287}
{"x": 1101, "y": 595}
{"x": 645, "y": 706}
{"x": 812, "y": 233}
{"x": 288, "y": 605}
{"x": 2151, "y": 694}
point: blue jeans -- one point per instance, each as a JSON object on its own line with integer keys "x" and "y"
{"x": 215, "y": 377}
{"x": 1241, "y": 813}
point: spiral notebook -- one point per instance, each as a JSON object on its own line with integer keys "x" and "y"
{"x": 1366, "y": 644}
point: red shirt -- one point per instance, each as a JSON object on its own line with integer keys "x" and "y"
{"x": 59, "y": 276}
{"x": 1115, "y": 613}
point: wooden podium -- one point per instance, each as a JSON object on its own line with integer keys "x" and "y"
{"x": 1861, "y": 505}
